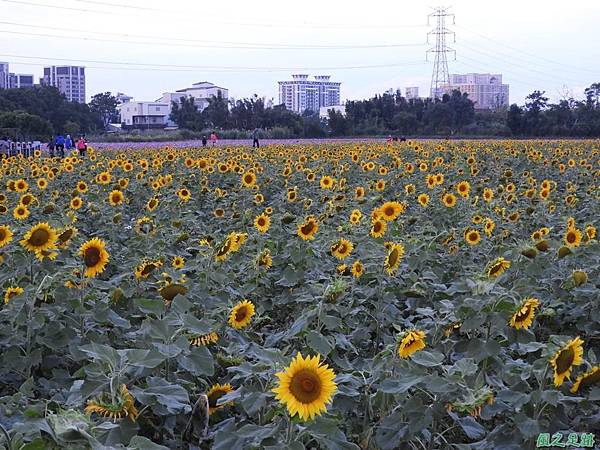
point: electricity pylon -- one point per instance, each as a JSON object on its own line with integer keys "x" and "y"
{"x": 440, "y": 75}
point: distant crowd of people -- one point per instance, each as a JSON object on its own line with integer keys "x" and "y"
{"x": 57, "y": 145}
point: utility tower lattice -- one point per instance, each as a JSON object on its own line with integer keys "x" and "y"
{"x": 440, "y": 75}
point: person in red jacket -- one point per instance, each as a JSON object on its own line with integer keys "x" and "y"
{"x": 81, "y": 146}
{"x": 213, "y": 138}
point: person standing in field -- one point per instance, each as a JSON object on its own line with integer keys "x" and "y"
{"x": 255, "y": 136}
{"x": 69, "y": 142}
{"x": 50, "y": 146}
{"x": 204, "y": 140}
{"x": 60, "y": 145}
{"x": 81, "y": 146}
{"x": 213, "y": 138}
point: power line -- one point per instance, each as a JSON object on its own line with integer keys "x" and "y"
{"x": 207, "y": 44}
{"x": 148, "y": 66}
{"x": 531, "y": 55}
{"x": 278, "y": 24}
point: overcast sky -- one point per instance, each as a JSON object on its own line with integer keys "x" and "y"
{"x": 548, "y": 45}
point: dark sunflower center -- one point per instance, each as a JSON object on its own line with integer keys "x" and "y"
{"x": 2, "y": 235}
{"x": 377, "y": 227}
{"x": 393, "y": 258}
{"x": 307, "y": 228}
{"x": 241, "y": 314}
{"x": 148, "y": 268}
{"x": 91, "y": 256}
{"x": 389, "y": 211}
{"x": 39, "y": 238}
{"x": 571, "y": 238}
{"x": 342, "y": 248}
{"x": 565, "y": 360}
{"x": 169, "y": 292}
{"x": 214, "y": 398}
{"x": 261, "y": 222}
{"x": 472, "y": 236}
{"x": 116, "y": 198}
{"x": 496, "y": 268}
{"x": 522, "y": 314}
{"x": 65, "y": 236}
{"x": 590, "y": 379}
{"x": 305, "y": 386}
{"x": 248, "y": 179}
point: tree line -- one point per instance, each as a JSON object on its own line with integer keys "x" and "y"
{"x": 41, "y": 111}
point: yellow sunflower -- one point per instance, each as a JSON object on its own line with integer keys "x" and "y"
{"x": 357, "y": 269}
{"x": 411, "y": 342}
{"x": 308, "y": 229}
{"x": 449, "y": 200}
{"x": 115, "y": 198}
{"x": 114, "y": 407}
{"x": 565, "y": 359}
{"x": 393, "y": 257}
{"x": 82, "y": 187}
{"x": 264, "y": 259}
{"x": 342, "y": 248}
{"x": 572, "y": 238}
{"x": 326, "y": 182}
{"x": 178, "y": 262}
{"x": 497, "y": 267}
{"x": 76, "y": 203}
{"x": 12, "y": 292}
{"x": 5, "y": 235}
{"x": 184, "y": 195}
{"x": 423, "y": 200}
{"x": 152, "y": 204}
{"x": 146, "y": 268}
{"x": 391, "y": 210}
{"x": 249, "y": 179}
{"x": 214, "y": 394}
{"x": 39, "y": 238}
{"x": 262, "y": 223}
{"x": 305, "y": 387}
{"x": 472, "y": 236}
{"x": 378, "y": 228}
{"x": 523, "y": 317}
{"x": 241, "y": 314}
{"x": 21, "y": 212}
{"x": 586, "y": 379}
{"x": 21, "y": 186}
{"x": 95, "y": 257}
{"x": 211, "y": 338}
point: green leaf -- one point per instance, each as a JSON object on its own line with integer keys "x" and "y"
{"x": 142, "y": 443}
{"x": 398, "y": 386}
{"x": 198, "y": 362}
{"x": 428, "y": 359}
{"x": 319, "y": 343}
{"x": 150, "y": 305}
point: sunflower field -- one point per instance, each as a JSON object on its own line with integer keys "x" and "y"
{"x": 415, "y": 295}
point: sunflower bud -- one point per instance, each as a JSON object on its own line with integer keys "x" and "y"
{"x": 48, "y": 209}
{"x": 529, "y": 252}
{"x": 579, "y": 277}
{"x": 117, "y": 295}
{"x": 564, "y": 251}
{"x": 117, "y": 218}
{"x": 182, "y": 238}
{"x": 542, "y": 245}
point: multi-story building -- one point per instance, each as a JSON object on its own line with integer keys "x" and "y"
{"x": 200, "y": 92}
{"x": 20, "y": 80}
{"x": 69, "y": 80}
{"x": 412, "y": 92}
{"x": 4, "y": 75}
{"x": 144, "y": 115}
{"x": 484, "y": 89}
{"x": 302, "y": 94}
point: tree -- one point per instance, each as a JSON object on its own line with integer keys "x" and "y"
{"x": 105, "y": 106}
{"x": 186, "y": 115}
{"x": 25, "y": 126}
{"x": 514, "y": 119}
{"x": 337, "y": 123}
{"x": 217, "y": 111}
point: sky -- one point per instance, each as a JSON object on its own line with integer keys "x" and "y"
{"x": 146, "y": 47}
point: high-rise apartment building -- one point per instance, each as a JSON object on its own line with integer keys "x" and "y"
{"x": 69, "y": 80}
{"x": 20, "y": 80}
{"x": 484, "y": 89}
{"x": 302, "y": 94}
{"x": 4, "y": 76}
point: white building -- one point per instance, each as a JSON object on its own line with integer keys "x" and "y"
{"x": 200, "y": 92}
{"x": 484, "y": 89}
{"x": 69, "y": 80}
{"x": 302, "y": 94}
{"x": 411, "y": 93}
{"x": 144, "y": 115}
{"x": 324, "y": 110}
